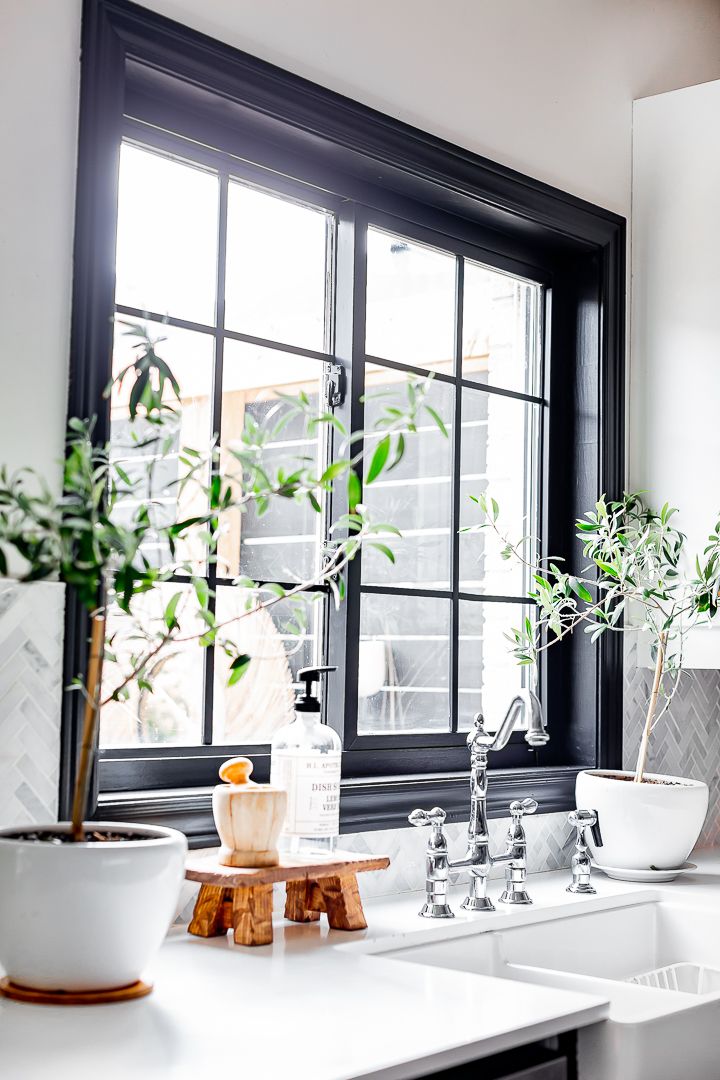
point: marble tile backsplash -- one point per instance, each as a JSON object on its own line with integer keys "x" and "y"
{"x": 31, "y": 634}
{"x": 687, "y": 739}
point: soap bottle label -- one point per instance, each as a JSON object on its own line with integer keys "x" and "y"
{"x": 312, "y": 782}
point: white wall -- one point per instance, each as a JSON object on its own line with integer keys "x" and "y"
{"x": 39, "y": 79}
{"x": 674, "y": 425}
{"x": 675, "y": 387}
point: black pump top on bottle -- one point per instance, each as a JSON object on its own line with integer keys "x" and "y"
{"x": 307, "y": 701}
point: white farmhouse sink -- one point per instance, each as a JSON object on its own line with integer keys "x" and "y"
{"x": 653, "y": 1033}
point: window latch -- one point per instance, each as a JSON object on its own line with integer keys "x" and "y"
{"x": 335, "y": 385}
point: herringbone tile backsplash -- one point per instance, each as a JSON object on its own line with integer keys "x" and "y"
{"x": 687, "y": 739}
{"x": 31, "y": 629}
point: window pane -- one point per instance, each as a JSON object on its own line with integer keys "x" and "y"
{"x": 283, "y": 543}
{"x": 190, "y": 357}
{"x": 488, "y": 675}
{"x": 166, "y": 236}
{"x": 500, "y": 330}
{"x": 171, "y": 714}
{"x": 281, "y": 640}
{"x": 415, "y": 496}
{"x": 499, "y": 455}
{"x": 410, "y": 302}
{"x": 403, "y": 664}
{"x": 276, "y": 268}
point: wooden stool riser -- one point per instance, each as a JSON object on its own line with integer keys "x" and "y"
{"x": 242, "y": 899}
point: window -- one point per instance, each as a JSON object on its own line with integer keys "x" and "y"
{"x": 432, "y": 651}
{"x": 240, "y": 212}
{"x": 237, "y": 283}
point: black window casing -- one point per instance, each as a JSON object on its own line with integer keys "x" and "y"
{"x": 140, "y": 65}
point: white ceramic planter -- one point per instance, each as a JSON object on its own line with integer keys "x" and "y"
{"x": 86, "y": 916}
{"x": 643, "y": 825}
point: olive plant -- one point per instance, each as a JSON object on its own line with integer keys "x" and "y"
{"x": 82, "y": 539}
{"x": 632, "y": 580}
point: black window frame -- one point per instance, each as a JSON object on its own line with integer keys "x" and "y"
{"x": 139, "y": 64}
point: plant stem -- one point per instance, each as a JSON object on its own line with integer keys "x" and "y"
{"x": 336, "y": 566}
{"x": 90, "y": 721}
{"x": 652, "y": 706}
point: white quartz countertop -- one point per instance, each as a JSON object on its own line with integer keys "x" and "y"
{"x": 320, "y": 1004}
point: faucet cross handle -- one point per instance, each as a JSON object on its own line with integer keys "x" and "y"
{"x": 520, "y": 807}
{"x": 435, "y": 817}
{"x": 436, "y": 864}
{"x": 586, "y": 819}
{"x": 515, "y": 858}
{"x": 580, "y": 864}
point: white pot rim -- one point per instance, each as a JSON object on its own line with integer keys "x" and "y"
{"x": 148, "y": 835}
{"x": 672, "y": 783}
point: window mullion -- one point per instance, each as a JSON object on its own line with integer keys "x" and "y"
{"x": 326, "y": 433}
{"x": 456, "y": 485}
{"x": 216, "y": 427}
{"x": 344, "y": 623}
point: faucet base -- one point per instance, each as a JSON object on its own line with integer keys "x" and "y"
{"x": 515, "y": 897}
{"x": 436, "y": 911}
{"x": 582, "y": 887}
{"x": 477, "y": 903}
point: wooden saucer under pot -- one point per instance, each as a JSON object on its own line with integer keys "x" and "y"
{"x": 27, "y": 994}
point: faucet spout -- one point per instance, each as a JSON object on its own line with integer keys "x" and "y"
{"x": 527, "y": 703}
{"x": 536, "y": 734}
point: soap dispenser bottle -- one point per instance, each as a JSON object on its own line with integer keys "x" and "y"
{"x": 305, "y": 761}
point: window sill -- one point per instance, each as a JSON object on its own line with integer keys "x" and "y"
{"x": 364, "y": 806}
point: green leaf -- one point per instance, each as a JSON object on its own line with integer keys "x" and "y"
{"x": 169, "y": 616}
{"x": 354, "y": 489}
{"x": 138, "y": 389}
{"x": 238, "y": 668}
{"x": 244, "y": 582}
{"x": 326, "y": 418}
{"x": 387, "y": 552}
{"x": 399, "y": 451}
{"x": 335, "y": 468}
{"x": 606, "y": 568}
{"x": 379, "y": 458}
{"x": 438, "y": 419}
{"x": 123, "y": 475}
{"x": 202, "y": 591}
{"x": 579, "y": 589}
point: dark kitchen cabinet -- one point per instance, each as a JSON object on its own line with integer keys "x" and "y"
{"x": 552, "y": 1059}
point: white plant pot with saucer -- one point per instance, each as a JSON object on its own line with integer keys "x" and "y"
{"x": 652, "y": 825}
{"x": 86, "y": 917}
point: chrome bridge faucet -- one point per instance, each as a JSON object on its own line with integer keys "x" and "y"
{"x": 478, "y": 859}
